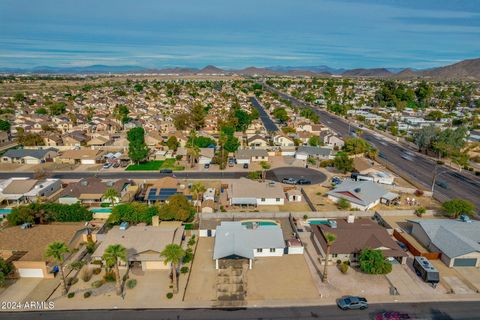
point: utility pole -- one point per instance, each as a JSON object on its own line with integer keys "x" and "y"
{"x": 435, "y": 175}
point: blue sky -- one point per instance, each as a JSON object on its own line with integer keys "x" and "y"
{"x": 241, "y": 33}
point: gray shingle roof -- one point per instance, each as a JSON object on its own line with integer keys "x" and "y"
{"x": 315, "y": 151}
{"x": 360, "y": 192}
{"x": 453, "y": 237}
{"x": 34, "y": 153}
{"x": 233, "y": 238}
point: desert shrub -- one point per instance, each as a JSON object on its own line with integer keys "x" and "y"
{"x": 373, "y": 262}
{"x": 343, "y": 267}
{"x": 188, "y": 256}
{"x": 339, "y": 261}
{"x": 91, "y": 248}
{"x": 192, "y": 241}
{"x": 222, "y": 209}
{"x": 109, "y": 276}
{"x": 418, "y": 193}
{"x": 184, "y": 269}
{"x": 97, "y": 284}
{"x": 71, "y": 281}
{"x": 169, "y": 295}
{"x": 97, "y": 271}
{"x": 97, "y": 262}
{"x": 86, "y": 275}
{"x": 77, "y": 265}
{"x": 305, "y": 217}
{"x": 71, "y": 295}
{"x": 343, "y": 204}
{"x": 131, "y": 283}
{"x": 420, "y": 211}
{"x": 87, "y": 294}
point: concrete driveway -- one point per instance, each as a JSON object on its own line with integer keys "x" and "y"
{"x": 19, "y": 290}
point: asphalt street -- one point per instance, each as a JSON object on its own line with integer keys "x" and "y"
{"x": 414, "y": 166}
{"x": 267, "y": 121}
{"x": 436, "y": 311}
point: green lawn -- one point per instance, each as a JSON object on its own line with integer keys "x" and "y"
{"x": 155, "y": 165}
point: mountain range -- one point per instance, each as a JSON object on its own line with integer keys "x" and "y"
{"x": 466, "y": 70}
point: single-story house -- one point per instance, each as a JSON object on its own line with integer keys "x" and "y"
{"x": 257, "y": 141}
{"x": 352, "y": 236}
{"x": 25, "y": 248}
{"x": 162, "y": 189}
{"x": 456, "y": 240}
{"x": 143, "y": 243}
{"x": 331, "y": 140}
{"x": 362, "y": 195}
{"x": 91, "y": 190}
{"x": 206, "y": 155}
{"x": 283, "y": 141}
{"x": 245, "y": 192}
{"x": 236, "y": 240}
{"x": 29, "y": 156}
{"x": 23, "y": 190}
{"x": 246, "y": 156}
{"x": 322, "y": 153}
{"x": 81, "y": 156}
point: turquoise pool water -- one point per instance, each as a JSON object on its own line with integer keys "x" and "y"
{"x": 318, "y": 222}
{"x": 5, "y": 211}
{"x": 249, "y": 224}
{"x": 101, "y": 210}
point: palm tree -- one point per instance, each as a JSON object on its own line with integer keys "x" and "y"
{"x": 111, "y": 194}
{"x": 173, "y": 254}
{"x": 221, "y": 141}
{"x": 56, "y": 251}
{"x": 193, "y": 152}
{"x": 265, "y": 166}
{"x": 197, "y": 190}
{"x": 329, "y": 239}
{"x": 112, "y": 256}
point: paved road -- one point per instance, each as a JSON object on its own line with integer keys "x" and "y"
{"x": 278, "y": 174}
{"x": 417, "y": 167}
{"x": 267, "y": 121}
{"x": 437, "y": 311}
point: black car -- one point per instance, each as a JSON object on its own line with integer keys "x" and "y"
{"x": 166, "y": 171}
{"x": 304, "y": 181}
{"x": 245, "y": 166}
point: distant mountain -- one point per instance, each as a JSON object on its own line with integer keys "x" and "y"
{"x": 466, "y": 69}
{"x": 375, "y": 72}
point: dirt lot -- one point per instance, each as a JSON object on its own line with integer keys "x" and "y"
{"x": 317, "y": 194}
{"x": 201, "y": 286}
{"x": 286, "y": 277}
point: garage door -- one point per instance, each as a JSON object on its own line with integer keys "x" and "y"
{"x": 30, "y": 273}
{"x": 465, "y": 262}
{"x": 154, "y": 265}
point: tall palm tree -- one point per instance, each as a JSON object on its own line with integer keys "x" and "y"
{"x": 173, "y": 254}
{"x": 265, "y": 166}
{"x": 56, "y": 251}
{"x": 111, "y": 194}
{"x": 222, "y": 139}
{"x": 112, "y": 256}
{"x": 330, "y": 239}
{"x": 193, "y": 152}
{"x": 197, "y": 190}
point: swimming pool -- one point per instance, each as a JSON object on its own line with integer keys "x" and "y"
{"x": 318, "y": 221}
{"x": 5, "y": 211}
{"x": 249, "y": 223}
{"x": 101, "y": 210}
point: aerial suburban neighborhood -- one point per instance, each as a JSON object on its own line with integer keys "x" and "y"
{"x": 186, "y": 164}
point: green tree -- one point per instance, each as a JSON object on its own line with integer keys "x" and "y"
{"x": 198, "y": 116}
{"x": 41, "y": 111}
{"x": 177, "y": 208}
{"x": 265, "y": 166}
{"x": 30, "y": 139}
{"x": 242, "y": 120}
{"x": 5, "y": 125}
{"x": 173, "y": 254}
{"x": 457, "y": 207}
{"x": 172, "y": 143}
{"x": 343, "y": 204}
{"x": 113, "y": 255}
{"x": 342, "y": 162}
{"x": 137, "y": 149}
{"x": 356, "y": 146}
{"x": 232, "y": 144}
{"x": 330, "y": 239}
{"x": 120, "y": 112}
{"x": 111, "y": 194}
{"x": 197, "y": 190}
{"x": 58, "y": 108}
{"x": 373, "y": 262}
{"x": 5, "y": 269}
{"x": 280, "y": 114}
{"x": 182, "y": 121}
{"x": 314, "y": 141}
{"x": 57, "y": 251}
{"x": 222, "y": 139}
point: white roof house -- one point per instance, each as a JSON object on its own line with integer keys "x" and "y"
{"x": 363, "y": 195}
{"x": 248, "y": 192}
{"x": 234, "y": 240}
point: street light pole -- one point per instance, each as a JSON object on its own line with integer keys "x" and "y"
{"x": 435, "y": 175}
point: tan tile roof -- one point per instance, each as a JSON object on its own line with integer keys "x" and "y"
{"x": 20, "y": 186}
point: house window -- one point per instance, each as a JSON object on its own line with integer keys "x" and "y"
{"x": 272, "y": 249}
{"x": 277, "y": 199}
{"x": 334, "y": 255}
{"x": 263, "y": 199}
{"x": 259, "y": 250}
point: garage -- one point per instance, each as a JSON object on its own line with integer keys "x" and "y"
{"x": 30, "y": 273}
{"x": 465, "y": 262}
{"x": 154, "y": 265}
